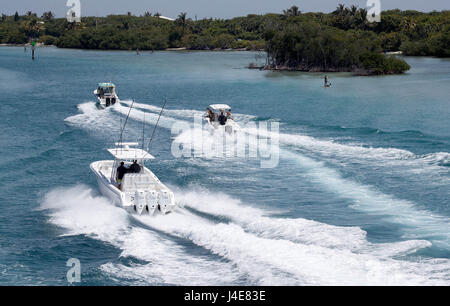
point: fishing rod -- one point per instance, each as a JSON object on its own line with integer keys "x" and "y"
{"x": 123, "y": 128}
{"x": 143, "y": 132}
{"x": 154, "y": 129}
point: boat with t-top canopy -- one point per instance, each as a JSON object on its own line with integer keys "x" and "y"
{"x": 106, "y": 94}
{"x": 218, "y": 117}
{"x": 137, "y": 189}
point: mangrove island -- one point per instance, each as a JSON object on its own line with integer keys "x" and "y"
{"x": 342, "y": 40}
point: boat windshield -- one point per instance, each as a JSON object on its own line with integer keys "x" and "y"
{"x": 106, "y": 88}
{"x": 218, "y": 108}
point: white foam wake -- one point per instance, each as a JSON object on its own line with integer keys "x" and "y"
{"x": 104, "y": 121}
{"x": 325, "y": 147}
{"x": 333, "y": 149}
{"x": 297, "y": 230}
{"x": 109, "y": 121}
{"x": 416, "y": 223}
{"x": 101, "y": 121}
{"x": 254, "y": 255}
{"x": 150, "y": 118}
{"x": 439, "y": 158}
{"x": 283, "y": 262}
{"x": 79, "y": 212}
{"x": 185, "y": 113}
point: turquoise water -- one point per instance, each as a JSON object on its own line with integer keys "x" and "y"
{"x": 360, "y": 194}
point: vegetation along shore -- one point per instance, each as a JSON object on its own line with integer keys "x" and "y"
{"x": 342, "y": 40}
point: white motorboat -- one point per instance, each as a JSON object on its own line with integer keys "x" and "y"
{"x": 141, "y": 192}
{"x": 106, "y": 94}
{"x": 212, "y": 117}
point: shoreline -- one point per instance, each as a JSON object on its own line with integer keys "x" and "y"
{"x": 252, "y": 66}
{"x": 134, "y": 50}
{"x": 353, "y": 71}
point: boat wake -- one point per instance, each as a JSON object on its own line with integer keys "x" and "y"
{"x": 248, "y": 246}
{"x": 100, "y": 121}
{"x": 351, "y": 153}
{"x": 185, "y": 113}
{"x": 417, "y": 223}
{"x": 298, "y": 230}
{"x": 92, "y": 118}
{"x": 79, "y": 212}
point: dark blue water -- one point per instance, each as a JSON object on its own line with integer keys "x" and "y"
{"x": 360, "y": 194}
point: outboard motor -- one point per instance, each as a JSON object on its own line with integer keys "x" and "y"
{"x": 228, "y": 129}
{"x": 152, "y": 201}
{"x": 165, "y": 201}
{"x": 139, "y": 201}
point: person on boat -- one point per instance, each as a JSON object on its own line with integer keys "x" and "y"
{"x": 209, "y": 114}
{"x": 229, "y": 114}
{"x": 135, "y": 168}
{"x": 121, "y": 170}
{"x": 326, "y": 82}
{"x": 222, "y": 118}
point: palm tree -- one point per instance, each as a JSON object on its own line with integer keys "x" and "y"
{"x": 147, "y": 14}
{"x": 362, "y": 18}
{"x": 48, "y": 15}
{"x": 353, "y": 10}
{"x": 339, "y": 10}
{"x": 293, "y": 11}
{"x": 182, "y": 20}
{"x": 363, "y": 14}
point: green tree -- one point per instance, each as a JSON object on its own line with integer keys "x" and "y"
{"x": 32, "y": 28}
{"x": 48, "y": 15}
{"x": 340, "y": 10}
{"x": 182, "y": 21}
{"x": 292, "y": 11}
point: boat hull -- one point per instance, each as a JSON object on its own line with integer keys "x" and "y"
{"x": 230, "y": 126}
{"x": 158, "y": 199}
{"x": 106, "y": 102}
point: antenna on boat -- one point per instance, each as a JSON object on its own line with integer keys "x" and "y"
{"x": 123, "y": 128}
{"x": 154, "y": 129}
{"x": 143, "y": 132}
